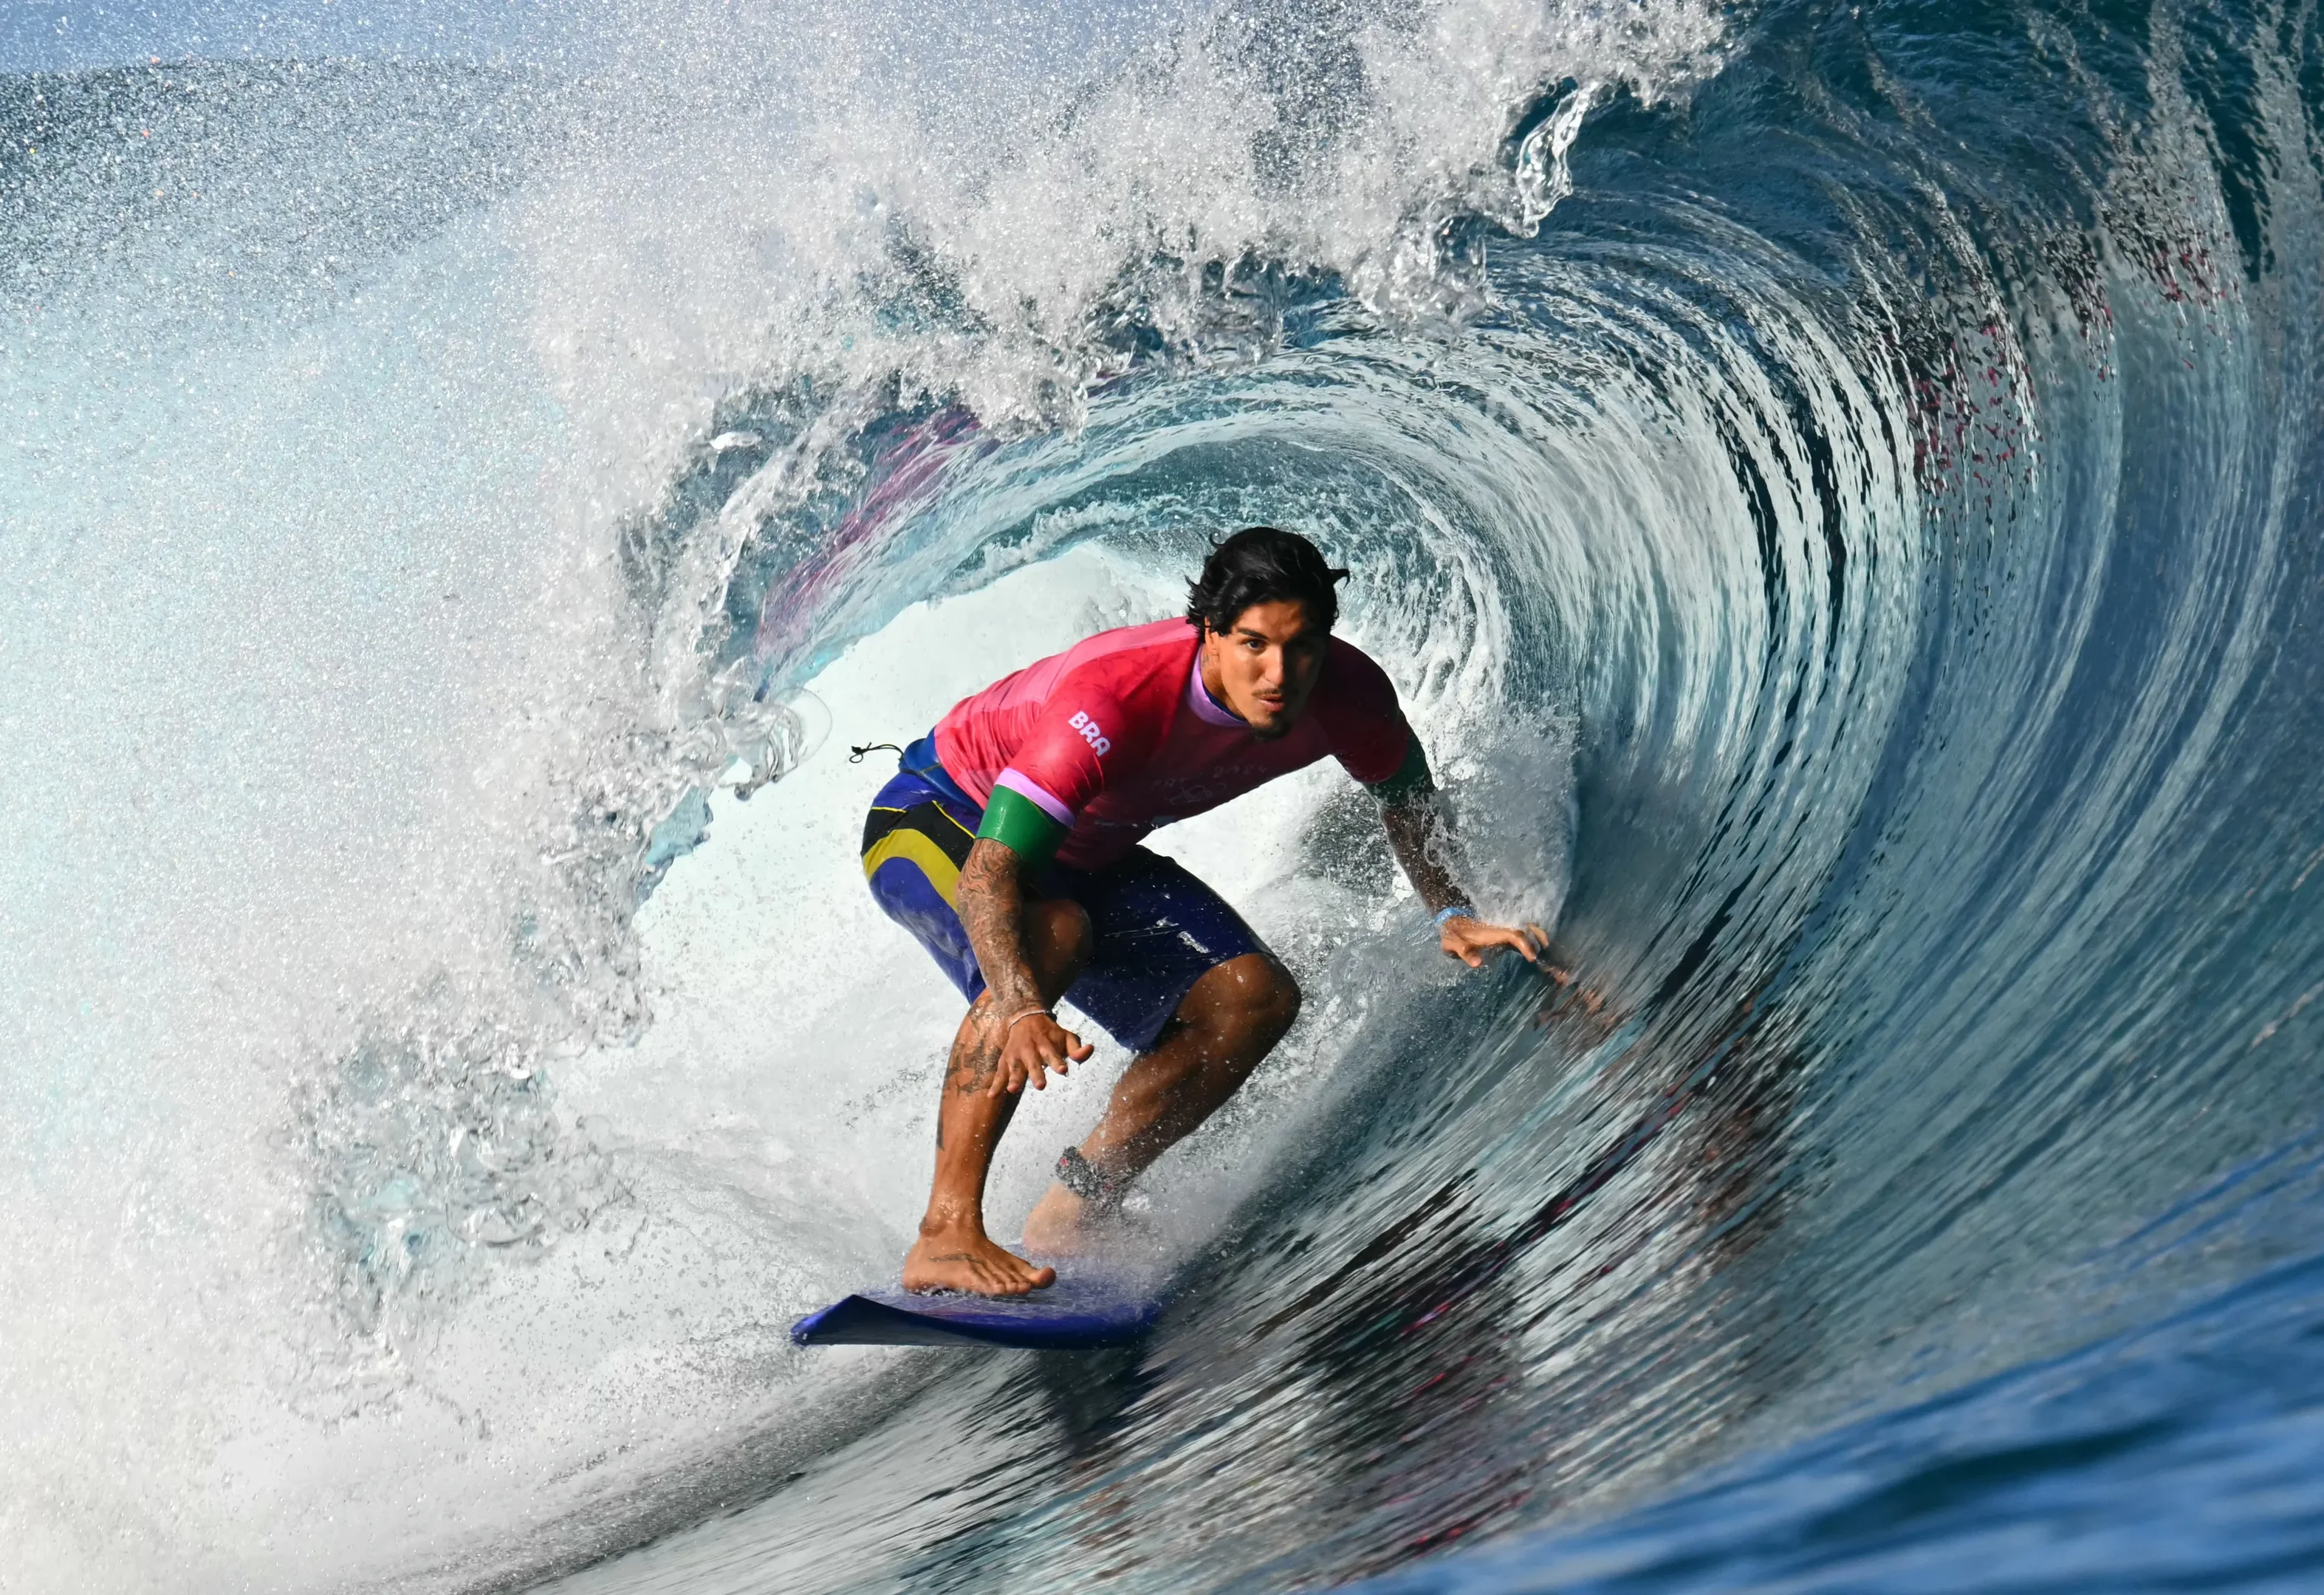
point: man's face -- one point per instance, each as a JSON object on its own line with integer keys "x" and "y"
{"x": 1264, "y": 665}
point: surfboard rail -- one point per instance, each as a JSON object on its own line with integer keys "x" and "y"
{"x": 1071, "y": 1315}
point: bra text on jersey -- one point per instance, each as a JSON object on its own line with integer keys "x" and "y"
{"x": 1091, "y": 733}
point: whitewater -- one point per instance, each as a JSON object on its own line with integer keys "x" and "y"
{"x": 1835, "y": 486}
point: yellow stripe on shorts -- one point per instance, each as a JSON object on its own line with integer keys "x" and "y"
{"x": 904, "y": 843}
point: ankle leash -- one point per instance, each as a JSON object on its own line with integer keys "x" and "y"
{"x": 1076, "y": 1173}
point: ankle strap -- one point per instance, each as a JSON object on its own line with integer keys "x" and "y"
{"x": 1078, "y": 1175}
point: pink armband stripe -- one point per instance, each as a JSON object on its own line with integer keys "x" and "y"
{"x": 1026, "y": 788}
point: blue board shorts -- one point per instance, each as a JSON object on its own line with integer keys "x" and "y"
{"x": 1155, "y": 928}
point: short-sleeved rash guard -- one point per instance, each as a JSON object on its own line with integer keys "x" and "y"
{"x": 1117, "y": 735}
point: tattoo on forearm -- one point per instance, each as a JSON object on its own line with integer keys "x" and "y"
{"x": 990, "y": 901}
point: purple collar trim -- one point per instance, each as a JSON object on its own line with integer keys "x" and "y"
{"x": 1199, "y": 699}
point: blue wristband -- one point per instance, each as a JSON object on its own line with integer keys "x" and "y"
{"x": 1457, "y": 911}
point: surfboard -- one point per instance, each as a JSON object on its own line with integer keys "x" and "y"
{"x": 1080, "y": 1313}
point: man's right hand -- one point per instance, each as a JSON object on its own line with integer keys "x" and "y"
{"x": 1468, "y": 940}
{"x": 1035, "y": 1046}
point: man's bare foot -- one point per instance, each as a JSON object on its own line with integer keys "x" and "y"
{"x": 966, "y": 1260}
{"x": 1058, "y": 1225}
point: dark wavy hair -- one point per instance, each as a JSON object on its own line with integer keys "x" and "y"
{"x": 1263, "y": 564}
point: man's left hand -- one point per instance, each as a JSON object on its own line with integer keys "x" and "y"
{"x": 1468, "y": 940}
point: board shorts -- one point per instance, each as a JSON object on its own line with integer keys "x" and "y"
{"x": 1155, "y": 928}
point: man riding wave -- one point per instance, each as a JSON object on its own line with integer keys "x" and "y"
{"x": 1008, "y": 843}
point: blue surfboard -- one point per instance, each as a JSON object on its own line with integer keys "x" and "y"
{"x": 1081, "y": 1311}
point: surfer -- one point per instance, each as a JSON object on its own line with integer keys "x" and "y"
{"x": 1008, "y": 845}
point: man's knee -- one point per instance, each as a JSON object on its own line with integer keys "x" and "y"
{"x": 1263, "y": 999}
{"x": 1060, "y": 934}
{"x": 1282, "y": 1009}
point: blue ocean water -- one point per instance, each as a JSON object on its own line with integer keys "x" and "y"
{"x": 2179, "y": 1454}
{"x": 1836, "y": 485}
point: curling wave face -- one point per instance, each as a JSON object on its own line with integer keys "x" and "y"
{"x": 1833, "y": 488}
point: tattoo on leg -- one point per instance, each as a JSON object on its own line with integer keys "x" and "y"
{"x": 974, "y": 1070}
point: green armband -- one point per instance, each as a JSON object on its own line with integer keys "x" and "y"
{"x": 1018, "y": 824}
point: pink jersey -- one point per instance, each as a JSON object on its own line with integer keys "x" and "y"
{"x": 1117, "y": 735}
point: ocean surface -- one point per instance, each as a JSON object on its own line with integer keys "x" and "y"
{"x": 1836, "y": 486}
